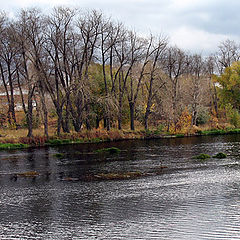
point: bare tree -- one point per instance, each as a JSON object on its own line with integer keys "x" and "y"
{"x": 196, "y": 80}
{"x": 8, "y": 66}
{"x": 129, "y": 53}
{"x": 175, "y": 65}
{"x": 210, "y": 69}
{"x": 154, "y": 75}
{"x": 58, "y": 39}
{"x": 111, "y": 46}
{"x": 228, "y": 52}
{"x": 29, "y": 32}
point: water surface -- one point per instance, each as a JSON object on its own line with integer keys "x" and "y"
{"x": 189, "y": 199}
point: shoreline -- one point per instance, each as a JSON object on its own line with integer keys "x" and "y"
{"x": 39, "y": 141}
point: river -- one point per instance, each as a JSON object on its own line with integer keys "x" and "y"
{"x": 189, "y": 199}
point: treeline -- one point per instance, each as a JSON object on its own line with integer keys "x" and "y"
{"x": 94, "y": 69}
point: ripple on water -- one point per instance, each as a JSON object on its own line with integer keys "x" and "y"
{"x": 190, "y": 200}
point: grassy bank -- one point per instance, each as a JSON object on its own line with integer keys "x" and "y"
{"x": 9, "y": 146}
{"x": 218, "y": 132}
{"x": 12, "y": 139}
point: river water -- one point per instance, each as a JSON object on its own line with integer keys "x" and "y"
{"x": 190, "y": 199}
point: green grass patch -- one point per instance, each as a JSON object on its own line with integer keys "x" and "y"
{"x": 96, "y": 140}
{"x": 79, "y": 140}
{"x": 213, "y": 132}
{"x": 202, "y": 156}
{"x": 6, "y": 146}
{"x": 111, "y": 150}
{"x": 220, "y": 155}
{"x": 55, "y": 142}
{"x": 67, "y": 141}
{"x": 234, "y": 131}
{"x": 59, "y": 155}
{"x": 219, "y": 132}
{"x": 179, "y": 135}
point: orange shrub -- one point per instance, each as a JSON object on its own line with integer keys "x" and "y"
{"x": 183, "y": 124}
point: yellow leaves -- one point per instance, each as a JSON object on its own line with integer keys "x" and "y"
{"x": 183, "y": 124}
{"x": 215, "y": 78}
{"x": 152, "y": 107}
{"x": 229, "y": 81}
{"x": 184, "y": 121}
{"x": 214, "y": 123}
{"x": 231, "y": 76}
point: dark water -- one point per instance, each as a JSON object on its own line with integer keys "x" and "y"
{"x": 188, "y": 200}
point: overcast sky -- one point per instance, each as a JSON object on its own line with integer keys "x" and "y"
{"x": 194, "y": 25}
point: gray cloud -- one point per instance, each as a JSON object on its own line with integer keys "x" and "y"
{"x": 191, "y": 24}
{"x": 219, "y": 17}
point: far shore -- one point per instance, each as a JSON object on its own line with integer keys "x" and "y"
{"x": 99, "y": 136}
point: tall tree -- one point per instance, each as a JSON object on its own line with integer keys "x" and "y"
{"x": 175, "y": 65}
{"x": 8, "y": 66}
{"x": 228, "y": 52}
{"x": 197, "y": 75}
{"x": 158, "y": 49}
{"x": 229, "y": 92}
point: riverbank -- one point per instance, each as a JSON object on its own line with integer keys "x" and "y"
{"x": 12, "y": 139}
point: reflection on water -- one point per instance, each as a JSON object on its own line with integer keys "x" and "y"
{"x": 189, "y": 200}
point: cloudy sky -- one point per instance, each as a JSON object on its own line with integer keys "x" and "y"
{"x": 194, "y": 25}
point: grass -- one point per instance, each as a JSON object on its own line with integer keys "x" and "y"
{"x": 111, "y": 150}
{"x": 202, "y": 156}
{"x": 8, "y": 136}
{"x": 16, "y": 134}
{"x": 220, "y": 155}
{"x": 179, "y": 135}
{"x": 59, "y": 155}
{"x": 219, "y": 132}
{"x": 55, "y": 142}
{"x": 6, "y": 146}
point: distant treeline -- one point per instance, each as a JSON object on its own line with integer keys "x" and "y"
{"x": 93, "y": 69}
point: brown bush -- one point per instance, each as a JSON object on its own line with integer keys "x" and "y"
{"x": 34, "y": 141}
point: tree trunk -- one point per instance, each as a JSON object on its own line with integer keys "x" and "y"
{"x": 88, "y": 125}
{"x": 59, "y": 120}
{"x": 120, "y": 114}
{"x": 120, "y": 120}
{"x": 97, "y": 122}
{"x": 77, "y": 126}
{"x": 146, "y": 118}
{"x": 7, "y": 94}
{"x": 66, "y": 127}
{"x": 132, "y": 111}
{"x": 215, "y": 101}
{"x": 12, "y": 102}
{"x": 38, "y": 112}
{"x": 12, "y": 109}
{"x": 107, "y": 123}
{"x": 45, "y": 114}
{"x": 194, "y": 118}
{"x": 30, "y": 118}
